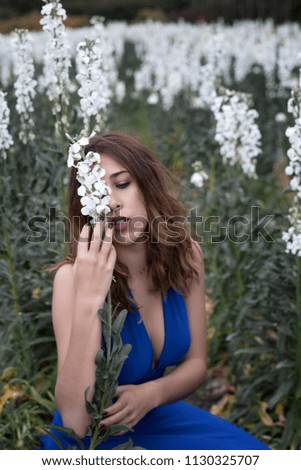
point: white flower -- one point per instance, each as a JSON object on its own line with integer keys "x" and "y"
{"x": 198, "y": 178}
{"x": 236, "y": 131}
{"x": 93, "y": 191}
{"x": 153, "y": 98}
{"x": 6, "y": 140}
{"x": 280, "y": 117}
{"x": 74, "y": 154}
{"x": 292, "y": 236}
{"x": 94, "y": 89}
{"x": 47, "y": 9}
{"x": 93, "y": 157}
{"x": 82, "y": 142}
{"x": 81, "y": 191}
{"x": 24, "y": 83}
{"x": 293, "y": 134}
{"x": 57, "y": 58}
{"x": 120, "y": 91}
{"x": 199, "y": 175}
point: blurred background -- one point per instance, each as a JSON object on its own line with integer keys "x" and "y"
{"x": 204, "y": 82}
{"x": 24, "y": 13}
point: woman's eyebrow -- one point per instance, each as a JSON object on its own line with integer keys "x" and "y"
{"x": 114, "y": 175}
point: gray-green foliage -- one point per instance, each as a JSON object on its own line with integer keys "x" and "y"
{"x": 109, "y": 361}
{"x": 30, "y": 182}
{"x": 265, "y": 348}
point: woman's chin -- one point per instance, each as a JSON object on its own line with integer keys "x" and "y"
{"x": 128, "y": 238}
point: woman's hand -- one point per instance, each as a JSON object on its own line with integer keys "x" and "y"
{"x": 94, "y": 265}
{"x": 133, "y": 403}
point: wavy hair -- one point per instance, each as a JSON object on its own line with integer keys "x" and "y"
{"x": 170, "y": 258}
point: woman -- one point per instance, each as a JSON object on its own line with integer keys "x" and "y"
{"x": 159, "y": 272}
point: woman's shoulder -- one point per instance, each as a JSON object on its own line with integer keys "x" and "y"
{"x": 63, "y": 275}
{"x": 63, "y": 292}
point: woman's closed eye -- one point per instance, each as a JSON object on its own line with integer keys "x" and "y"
{"x": 122, "y": 185}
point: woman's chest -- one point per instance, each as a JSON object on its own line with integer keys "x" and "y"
{"x": 144, "y": 363}
{"x": 150, "y": 306}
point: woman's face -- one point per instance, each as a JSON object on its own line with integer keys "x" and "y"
{"x": 127, "y": 206}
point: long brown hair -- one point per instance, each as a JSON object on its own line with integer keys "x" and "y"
{"x": 170, "y": 260}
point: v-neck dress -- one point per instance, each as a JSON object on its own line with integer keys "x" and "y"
{"x": 177, "y": 425}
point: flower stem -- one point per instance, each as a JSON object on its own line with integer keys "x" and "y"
{"x": 108, "y": 359}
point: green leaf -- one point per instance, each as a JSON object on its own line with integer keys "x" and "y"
{"x": 255, "y": 350}
{"x": 118, "y": 360}
{"x": 286, "y": 363}
{"x": 56, "y": 439}
{"x": 127, "y": 446}
{"x": 118, "y": 323}
{"x": 100, "y": 358}
{"x": 91, "y": 408}
{"x": 116, "y": 428}
{"x": 67, "y": 431}
{"x": 103, "y": 314}
{"x": 37, "y": 397}
{"x": 280, "y": 393}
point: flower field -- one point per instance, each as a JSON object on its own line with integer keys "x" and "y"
{"x": 221, "y": 106}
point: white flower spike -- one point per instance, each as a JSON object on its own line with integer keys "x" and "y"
{"x": 93, "y": 190}
{"x": 236, "y": 131}
{"x": 57, "y": 59}
{"x": 24, "y": 83}
{"x": 292, "y": 237}
{"x": 6, "y": 140}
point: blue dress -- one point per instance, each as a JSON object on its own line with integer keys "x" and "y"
{"x": 178, "y": 425}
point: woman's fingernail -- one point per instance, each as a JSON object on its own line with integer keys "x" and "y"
{"x": 102, "y": 426}
{"x": 105, "y": 413}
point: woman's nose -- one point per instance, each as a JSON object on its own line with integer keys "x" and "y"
{"x": 115, "y": 203}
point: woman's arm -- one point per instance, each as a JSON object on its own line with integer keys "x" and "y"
{"x": 78, "y": 337}
{"x": 134, "y": 401}
{"x": 79, "y": 291}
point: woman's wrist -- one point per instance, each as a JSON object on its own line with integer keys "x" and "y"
{"x": 88, "y": 303}
{"x": 153, "y": 389}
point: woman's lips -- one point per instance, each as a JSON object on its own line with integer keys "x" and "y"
{"x": 122, "y": 224}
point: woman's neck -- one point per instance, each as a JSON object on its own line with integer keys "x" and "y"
{"x": 134, "y": 257}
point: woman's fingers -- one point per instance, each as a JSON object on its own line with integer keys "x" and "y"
{"x": 98, "y": 242}
{"x": 120, "y": 389}
{"x": 115, "y": 408}
{"x": 118, "y": 418}
{"x": 96, "y": 237}
{"x": 82, "y": 246}
{"x": 106, "y": 246}
{"x": 111, "y": 260}
{"x": 94, "y": 265}
{"x": 118, "y": 413}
